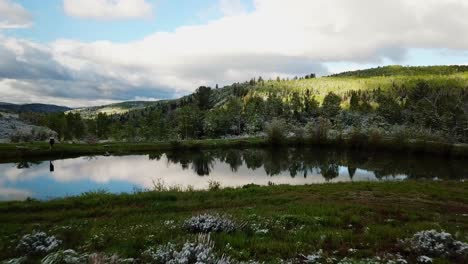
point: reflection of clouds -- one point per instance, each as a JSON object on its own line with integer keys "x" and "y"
{"x": 13, "y": 194}
{"x": 140, "y": 171}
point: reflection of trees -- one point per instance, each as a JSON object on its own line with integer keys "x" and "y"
{"x": 23, "y": 164}
{"x": 182, "y": 157}
{"x": 329, "y": 171}
{"x": 202, "y": 163}
{"x": 351, "y": 172}
{"x": 275, "y": 161}
{"x": 233, "y": 157}
{"x": 155, "y": 156}
{"x": 253, "y": 158}
{"x": 307, "y": 161}
{"x": 294, "y": 167}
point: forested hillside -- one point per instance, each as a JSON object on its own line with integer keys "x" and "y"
{"x": 396, "y": 70}
{"x": 36, "y": 108}
{"x": 429, "y": 103}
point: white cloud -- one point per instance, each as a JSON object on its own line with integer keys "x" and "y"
{"x": 277, "y": 38}
{"x": 13, "y": 15}
{"x": 108, "y": 9}
{"x": 232, "y": 7}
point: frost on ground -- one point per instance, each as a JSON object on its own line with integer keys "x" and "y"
{"x": 38, "y": 243}
{"x": 201, "y": 251}
{"x": 207, "y": 223}
{"x": 436, "y": 244}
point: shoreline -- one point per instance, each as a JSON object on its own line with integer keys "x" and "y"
{"x": 11, "y": 151}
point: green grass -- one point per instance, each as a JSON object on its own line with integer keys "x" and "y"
{"x": 369, "y": 217}
{"x": 320, "y": 87}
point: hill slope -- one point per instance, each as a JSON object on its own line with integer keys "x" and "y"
{"x": 35, "y": 108}
{"x": 399, "y": 70}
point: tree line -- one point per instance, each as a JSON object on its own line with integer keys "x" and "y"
{"x": 427, "y": 109}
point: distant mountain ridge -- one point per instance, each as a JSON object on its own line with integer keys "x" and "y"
{"x": 116, "y": 108}
{"x": 36, "y": 108}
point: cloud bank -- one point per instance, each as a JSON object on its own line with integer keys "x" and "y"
{"x": 277, "y": 38}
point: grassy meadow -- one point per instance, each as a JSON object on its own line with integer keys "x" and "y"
{"x": 354, "y": 220}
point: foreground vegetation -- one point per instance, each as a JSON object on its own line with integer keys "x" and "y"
{"x": 354, "y": 220}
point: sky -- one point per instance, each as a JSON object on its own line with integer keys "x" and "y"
{"x": 92, "y": 52}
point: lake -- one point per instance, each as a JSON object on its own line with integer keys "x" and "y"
{"x": 231, "y": 168}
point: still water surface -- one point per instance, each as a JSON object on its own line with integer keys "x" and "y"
{"x": 73, "y": 176}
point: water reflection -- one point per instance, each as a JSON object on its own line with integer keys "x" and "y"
{"x": 232, "y": 167}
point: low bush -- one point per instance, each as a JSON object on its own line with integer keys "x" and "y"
{"x": 276, "y": 131}
{"x": 37, "y": 243}
{"x": 207, "y": 223}
{"x": 317, "y": 131}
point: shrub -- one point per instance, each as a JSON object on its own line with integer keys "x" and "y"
{"x": 21, "y": 137}
{"x": 200, "y": 251}
{"x": 175, "y": 143}
{"x": 68, "y": 256}
{"x": 207, "y": 223}
{"x": 375, "y": 136}
{"x": 436, "y": 244}
{"x": 214, "y": 185}
{"x": 299, "y": 133}
{"x": 357, "y": 138}
{"x": 318, "y": 131}
{"x": 37, "y": 244}
{"x": 331, "y": 105}
{"x": 276, "y": 131}
{"x": 400, "y": 137}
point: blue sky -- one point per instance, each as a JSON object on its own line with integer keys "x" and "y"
{"x": 90, "y": 52}
{"x": 51, "y": 22}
